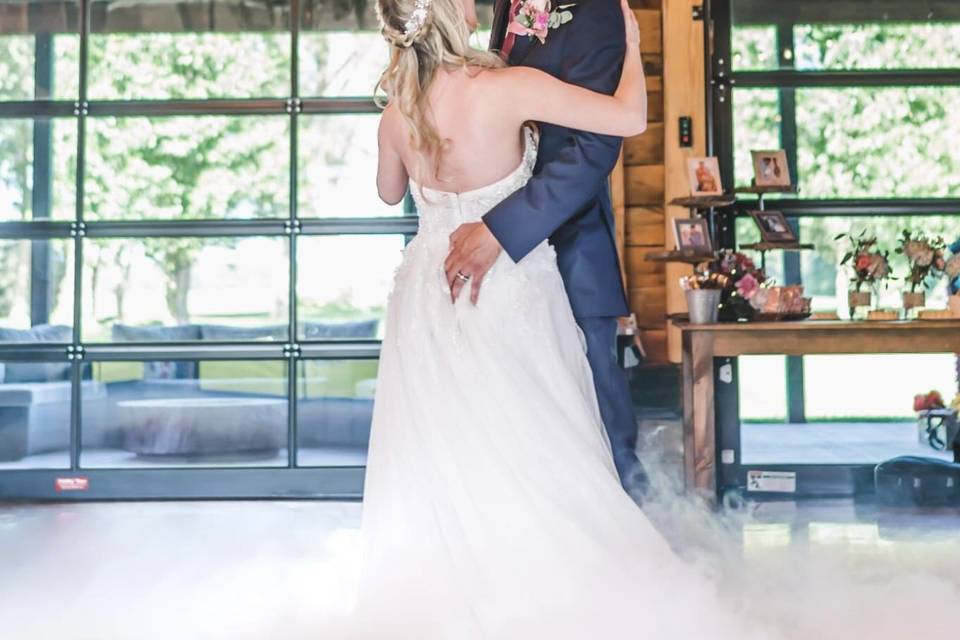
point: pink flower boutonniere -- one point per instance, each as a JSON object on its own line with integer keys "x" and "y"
{"x": 537, "y": 17}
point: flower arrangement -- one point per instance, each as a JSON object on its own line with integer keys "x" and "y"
{"x": 743, "y": 282}
{"x": 870, "y": 266}
{"x": 744, "y": 289}
{"x": 933, "y": 401}
{"x": 924, "y": 255}
{"x": 706, "y": 280}
{"x": 535, "y": 18}
{"x": 928, "y": 401}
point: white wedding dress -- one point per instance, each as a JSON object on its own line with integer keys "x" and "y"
{"x": 492, "y": 507}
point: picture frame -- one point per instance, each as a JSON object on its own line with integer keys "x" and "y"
{"x": 774, "y": 227}
{"x": 692, "y": 235}
{"x": 704, "y": 177}
{"x": 771, "y": 169}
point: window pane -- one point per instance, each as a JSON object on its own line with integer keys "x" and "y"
{"x": 877, "y": 46}
{"x": 763, "y": 388}
{"x": 876, "y": 386}
{"x": 878, "y": 142}
{"x": 343, "y": 284}
{"x": 36, "y": 290}
{"x": 185, "y": 289}
{"x": 859, "y": 409}
{"x": 189, "y": 49}
{"x": 338, "y": 168}
{"x": 38, "y": 160}
{"x": 34, "y": 414}
{"x": 754, "y": 48}
{"x": 756, "y": 125}
{"x": 334, "y": 411}
{"x": 181, "y": 167}
{"x": 186, "y": 413}
{"x": 39, "y": 50}
{"x": 342, "y": 52}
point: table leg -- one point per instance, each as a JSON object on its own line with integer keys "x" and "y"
{"x": 699, "y": 435}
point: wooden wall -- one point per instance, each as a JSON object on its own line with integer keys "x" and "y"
{"x": 641, "y": 202}
{"x": 653, "y": 170}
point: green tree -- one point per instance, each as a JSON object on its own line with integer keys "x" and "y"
{"x": 186, "y": 168}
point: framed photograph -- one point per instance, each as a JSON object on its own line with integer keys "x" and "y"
{"x": 774, "y": 227}
{"x": 770, "y": 168}
{"x": 704, "y": 176}
{"x": 692, "y": 234}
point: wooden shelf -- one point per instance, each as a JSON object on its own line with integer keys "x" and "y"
{"x": 838, "y": 327}
{"x": 704, "y": 202}
{"x": 686, "y": 257}
{"x": 764, "y": 190}
{"x": 773, "y": 246}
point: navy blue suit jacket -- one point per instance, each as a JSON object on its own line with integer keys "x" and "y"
{"x": 568, "y": 199}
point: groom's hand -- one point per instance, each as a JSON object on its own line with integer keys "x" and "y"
{"x": 473, "y": 250}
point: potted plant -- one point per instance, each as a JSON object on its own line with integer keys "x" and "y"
{"x": 925, "y": 258}
{"x": 869, "y": 266}
{"x": 951, "y": 269}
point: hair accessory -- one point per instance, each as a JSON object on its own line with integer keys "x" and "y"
{"x": 418, "y": 18}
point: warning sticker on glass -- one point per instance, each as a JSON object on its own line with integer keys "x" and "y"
{"x": 72, "y": 484}
{"x": 773, "y": 481}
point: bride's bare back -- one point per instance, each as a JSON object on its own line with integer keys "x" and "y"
{"x": 479, "y": 114}
{"x": 482, "y": 145}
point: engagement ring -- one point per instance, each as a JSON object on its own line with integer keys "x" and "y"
{"x": 462, "y": 277}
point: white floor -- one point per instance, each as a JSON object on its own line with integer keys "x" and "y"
{"x": 265, "y": 570}
{"x": 276, "y": 570}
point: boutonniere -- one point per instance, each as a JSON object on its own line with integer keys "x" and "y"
{"x": 536, "y": 17}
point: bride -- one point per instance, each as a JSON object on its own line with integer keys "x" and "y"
{"x": 493, "y": 508}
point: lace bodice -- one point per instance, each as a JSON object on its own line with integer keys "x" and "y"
{"x": 441, "y": 212}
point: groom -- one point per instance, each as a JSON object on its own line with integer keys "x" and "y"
{"x": 568, "y": 202}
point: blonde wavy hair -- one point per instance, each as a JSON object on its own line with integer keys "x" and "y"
{"x": 441, "y": 41}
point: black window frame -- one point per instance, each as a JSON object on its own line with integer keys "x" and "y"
{"x": 721, "y": 79}
{"x": 211, "y": 482}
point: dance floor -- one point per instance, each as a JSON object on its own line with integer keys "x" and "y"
{"x": 265, "y": 569}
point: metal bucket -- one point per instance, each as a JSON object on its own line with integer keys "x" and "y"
{"x": 703, "y": 304}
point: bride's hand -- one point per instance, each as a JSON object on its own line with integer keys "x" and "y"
{"x": 630, "y": 25}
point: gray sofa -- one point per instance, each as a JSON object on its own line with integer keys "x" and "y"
{"x": 35, "y": 398}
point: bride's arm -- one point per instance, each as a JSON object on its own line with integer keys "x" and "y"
{"x": 538, "y": 96}
{"x": 391, "y": 174}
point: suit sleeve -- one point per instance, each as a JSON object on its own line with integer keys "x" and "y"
{"x": 592, "y": 58}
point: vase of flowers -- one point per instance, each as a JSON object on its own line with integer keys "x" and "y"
{"x": 924, "y": 256}
{"x": 951, "y": 269}
{"x": 743, "y": 281}
{"x": 869, "y": 267}
{"x": 725, "y": 290}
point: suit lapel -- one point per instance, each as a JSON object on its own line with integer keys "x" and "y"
{"x": 521, "y": 46}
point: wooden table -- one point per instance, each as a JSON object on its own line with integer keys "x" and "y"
{"x": 703, "y": 343}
